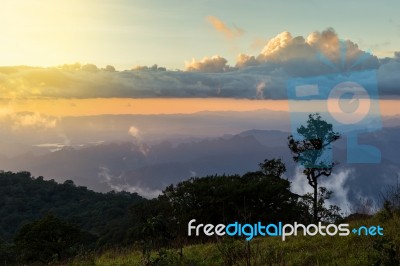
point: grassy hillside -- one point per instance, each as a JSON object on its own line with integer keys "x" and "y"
{"x": 300, "y": 250}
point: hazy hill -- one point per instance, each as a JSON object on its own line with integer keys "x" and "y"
{"x": 146, "y": 168}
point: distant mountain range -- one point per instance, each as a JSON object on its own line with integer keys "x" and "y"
{"x": 148, "y": 168}
{"x": 145, "y": 153}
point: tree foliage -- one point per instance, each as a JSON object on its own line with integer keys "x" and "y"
{"x": 46, "y": 240}
{"x": 256, "y": 196}
{"x": 310, "y": 151}
{"x": 273, "y": 167}
{"x": 24, "y": 198}
{"x": 327, "y": 214}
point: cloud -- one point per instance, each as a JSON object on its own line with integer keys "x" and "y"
{"x": 389, "y": 78}
{"x": 192, "y": 173}
{"x": 337, "y": 183}
{"x": 26, "y": 120}
{"x": 283, "y": 57}
{"x": 260, "y": 89}
{"x": 35, "y": 120}
{"x": 118, "y": 183}
{"x": 244, "y": 60}
{"x": 289, "y": 51}
{"x": 90, "y": 68}
{"x": 134, "y": 132}
{"x": 66, "y": 140}
{"x": 299, "y": 183}
{"x": 278, "y": 43}
{"x": 212, "y": 64}
{"x": 220, "y": 27}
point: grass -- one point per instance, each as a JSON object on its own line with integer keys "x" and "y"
{"x": 300, "y": 250}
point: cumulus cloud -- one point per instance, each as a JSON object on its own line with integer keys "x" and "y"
{"x": 90, "y": 68}
{"x": 221, "y": 27}
{"x": 244, "y": 60}
{"x": 109, "y": 68}
{"x": 277, "y": 44}
{"x": 212, "y": 64}
{"x": 283, "y": 57}
{"x": 318, "y": 47}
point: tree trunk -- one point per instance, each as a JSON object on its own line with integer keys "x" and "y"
{"x": 315, "y": 201}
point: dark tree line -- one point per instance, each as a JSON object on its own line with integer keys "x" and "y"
{"x": 255, "y": 196}
{"x": 24, "y": 198}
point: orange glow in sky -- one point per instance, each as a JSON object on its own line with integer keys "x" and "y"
{"x": 87, "y": 107}
{"x": 115, "y": 106}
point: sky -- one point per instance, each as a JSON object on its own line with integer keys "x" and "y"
{"x": 71, "y": 58}
{"x": 127, "y": 33}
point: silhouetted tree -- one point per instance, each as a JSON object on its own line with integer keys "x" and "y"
{"x": 317, "y": 137}
{"x": 273, "y": 167}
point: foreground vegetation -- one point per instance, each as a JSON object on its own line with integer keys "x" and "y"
{"x": 41, "y": 220}
{"x": 154, "y": 232}
{"x": 300, "y": 250}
